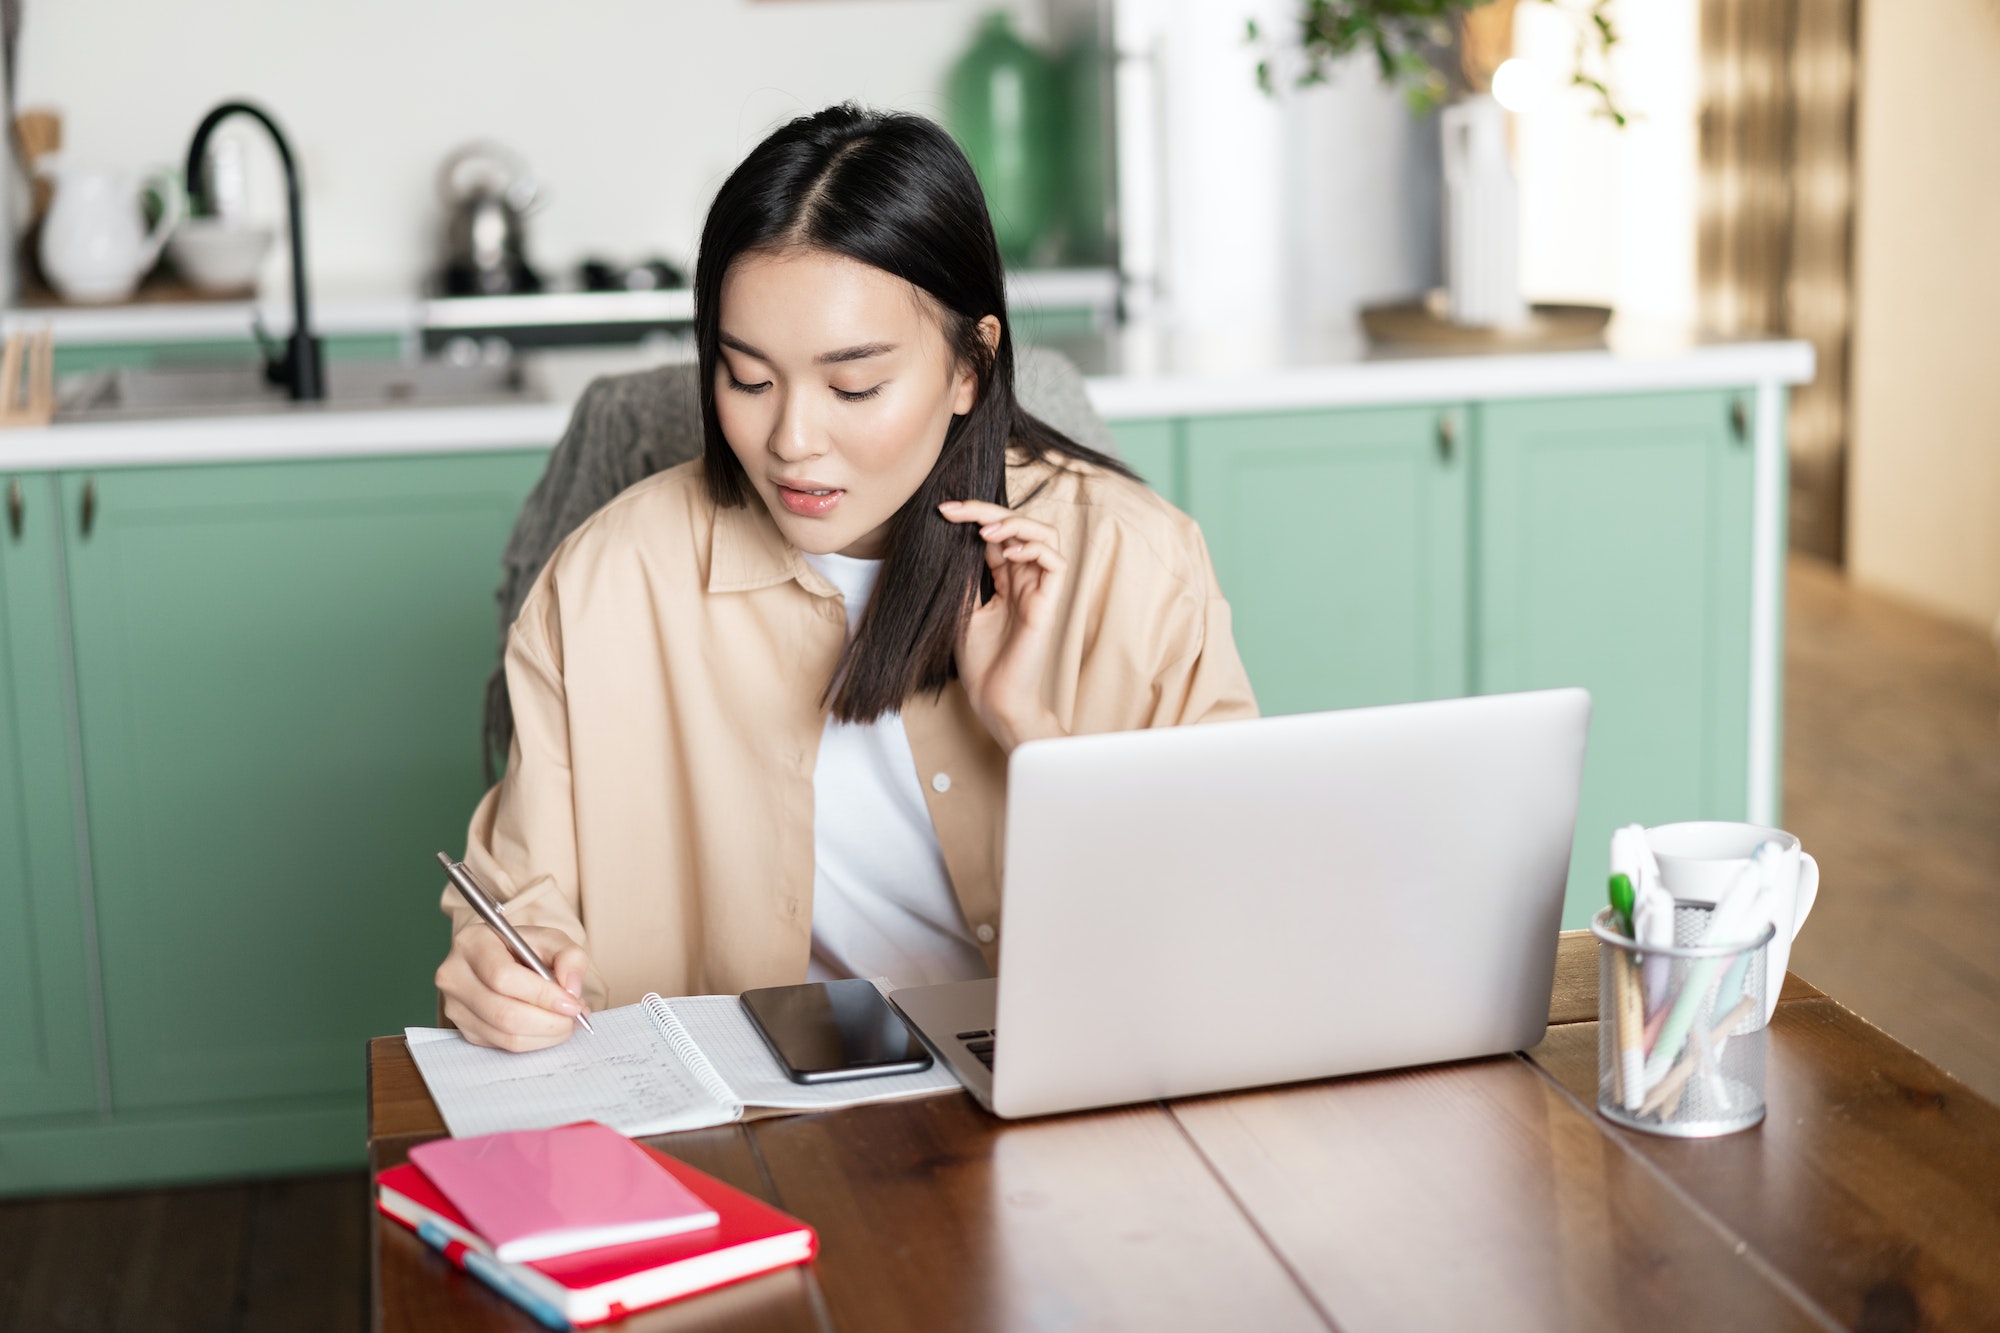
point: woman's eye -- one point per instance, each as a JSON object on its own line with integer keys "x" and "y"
{"x": 856, "y": 396}
{"x": 741, "y": 387}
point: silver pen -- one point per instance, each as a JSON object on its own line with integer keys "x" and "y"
{"x": 489, "y": 911}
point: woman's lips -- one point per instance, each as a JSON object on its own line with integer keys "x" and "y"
{"x": 813, "y": 502}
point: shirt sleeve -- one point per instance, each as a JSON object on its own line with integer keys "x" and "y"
{"x": 522, "y": 841}
{"x": 1201, "y": 679}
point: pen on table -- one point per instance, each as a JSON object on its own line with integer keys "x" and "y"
{"x": 1628, "y": 1001}
{"x": 489, "y": 911}
{"x": 1622, "y": 901}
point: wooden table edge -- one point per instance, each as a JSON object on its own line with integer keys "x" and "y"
{"x": 1572, "y": 999}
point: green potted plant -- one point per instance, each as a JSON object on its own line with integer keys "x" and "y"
{"x": 1432, "y": 50}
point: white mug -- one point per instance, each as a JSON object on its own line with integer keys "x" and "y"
{"x": 1699, "y": 860}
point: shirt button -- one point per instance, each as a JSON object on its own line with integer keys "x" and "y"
{"x": 941, "y": 783}
{"x": 984, "y": 932}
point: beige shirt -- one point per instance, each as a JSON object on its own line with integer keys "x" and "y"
{"x": 666, "y": 673}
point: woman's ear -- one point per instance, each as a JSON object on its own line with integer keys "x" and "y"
{"x": 965, "y": 390}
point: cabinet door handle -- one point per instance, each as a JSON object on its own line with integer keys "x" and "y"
{"x": 89, "y": 506}
{"x": 1739, "y": 421}
{"x": 1447, "y": 438}
{"x": 17, "y": 508}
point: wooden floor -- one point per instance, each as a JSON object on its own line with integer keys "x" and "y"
{"x": 274, "y": 1256}
{"x": 1892, "y": 780}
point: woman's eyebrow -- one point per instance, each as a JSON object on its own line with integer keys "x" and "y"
{"x": 861, "y": 352}
{"x": 732, "y": 341}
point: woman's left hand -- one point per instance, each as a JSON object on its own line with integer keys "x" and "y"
{"x": 1003, "y": 651}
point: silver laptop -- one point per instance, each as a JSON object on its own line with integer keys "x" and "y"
{"x": 1195, "y": 909}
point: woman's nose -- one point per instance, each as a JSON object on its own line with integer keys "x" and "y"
{"x": 795, "y": 435}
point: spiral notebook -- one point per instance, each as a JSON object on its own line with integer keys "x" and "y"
{"x": 654, "y": 1067}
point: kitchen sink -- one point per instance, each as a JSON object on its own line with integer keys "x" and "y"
{"x": 241, "y": 389}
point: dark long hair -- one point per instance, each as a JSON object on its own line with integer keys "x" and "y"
{"x": 892, "y": 191}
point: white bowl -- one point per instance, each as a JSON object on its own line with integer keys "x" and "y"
{"x": 219, "y": 256}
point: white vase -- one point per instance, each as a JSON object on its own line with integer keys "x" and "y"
{"x": 95, "y": 246}
{"x": 1482, "y": 217}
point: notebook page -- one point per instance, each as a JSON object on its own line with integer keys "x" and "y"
{"x": 721, "y": 1028}
{"x": 624, "y": 1075}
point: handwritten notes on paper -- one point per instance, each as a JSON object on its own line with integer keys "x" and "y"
{"x": 623, "y": 1075}
{"x": 650, "y": 1068}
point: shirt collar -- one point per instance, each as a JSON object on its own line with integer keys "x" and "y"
{"x": 746, "y": 551}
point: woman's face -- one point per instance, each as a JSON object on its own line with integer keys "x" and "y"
{"x": 834, "y": 387}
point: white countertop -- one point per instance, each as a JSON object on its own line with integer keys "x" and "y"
{"x": 202, "y": 321}
{"x": 1139, "y": 374}
{"x": 1131, "y": 377}
{"x": 377, "y": 313}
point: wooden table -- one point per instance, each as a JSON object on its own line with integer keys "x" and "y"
{"x": 1484, "y": 1195}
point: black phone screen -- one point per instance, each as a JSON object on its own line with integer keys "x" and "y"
{"x": 827, "y": 1030}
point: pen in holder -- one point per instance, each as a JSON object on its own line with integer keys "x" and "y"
{"x": 1680, "y": 1030}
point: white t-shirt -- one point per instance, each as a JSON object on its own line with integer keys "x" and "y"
{"x": 882, "y": 899}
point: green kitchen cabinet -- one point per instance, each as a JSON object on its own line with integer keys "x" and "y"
{"x": 278, "y": 673}
{"x": 48, "y": 1032}
{"x": 1613, "y": 552}
{"x": 1339, "y": 538}
{"x": 1150, "y": 449}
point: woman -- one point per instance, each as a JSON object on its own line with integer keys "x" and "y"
{"x": 763, "y": 702}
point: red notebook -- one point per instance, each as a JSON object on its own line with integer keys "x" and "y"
{"x": 536, "y": 1193}
{"x": 750, "y": 1238}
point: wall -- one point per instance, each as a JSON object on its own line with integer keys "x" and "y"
{"x": 630, "y": 110}
{"x": 1365, "y": 180}
{"x": 1286, "y": 214}
{"x": 1923, "y": 506}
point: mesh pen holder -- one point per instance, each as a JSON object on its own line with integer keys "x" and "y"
{"x": 1680, "y": 1031}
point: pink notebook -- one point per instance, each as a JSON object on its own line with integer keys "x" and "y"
{"x": 538, "y": 1193}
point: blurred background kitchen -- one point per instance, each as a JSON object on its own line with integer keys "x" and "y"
{"x": 1643, "y": 344}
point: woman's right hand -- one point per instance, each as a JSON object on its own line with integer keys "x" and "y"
{"x": 495, "y": 1001}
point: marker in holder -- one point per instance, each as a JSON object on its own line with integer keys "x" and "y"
{"x": 1680, "y": 1030}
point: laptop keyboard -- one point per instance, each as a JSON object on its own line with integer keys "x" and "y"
{"x": 980, "y": 1043}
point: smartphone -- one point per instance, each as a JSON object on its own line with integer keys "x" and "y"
{"x": 828, "y": 1030}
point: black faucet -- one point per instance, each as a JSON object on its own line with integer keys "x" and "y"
{"x": 298, "y": 367}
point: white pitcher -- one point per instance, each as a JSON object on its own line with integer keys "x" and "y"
{"x": 95, "y": 247}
